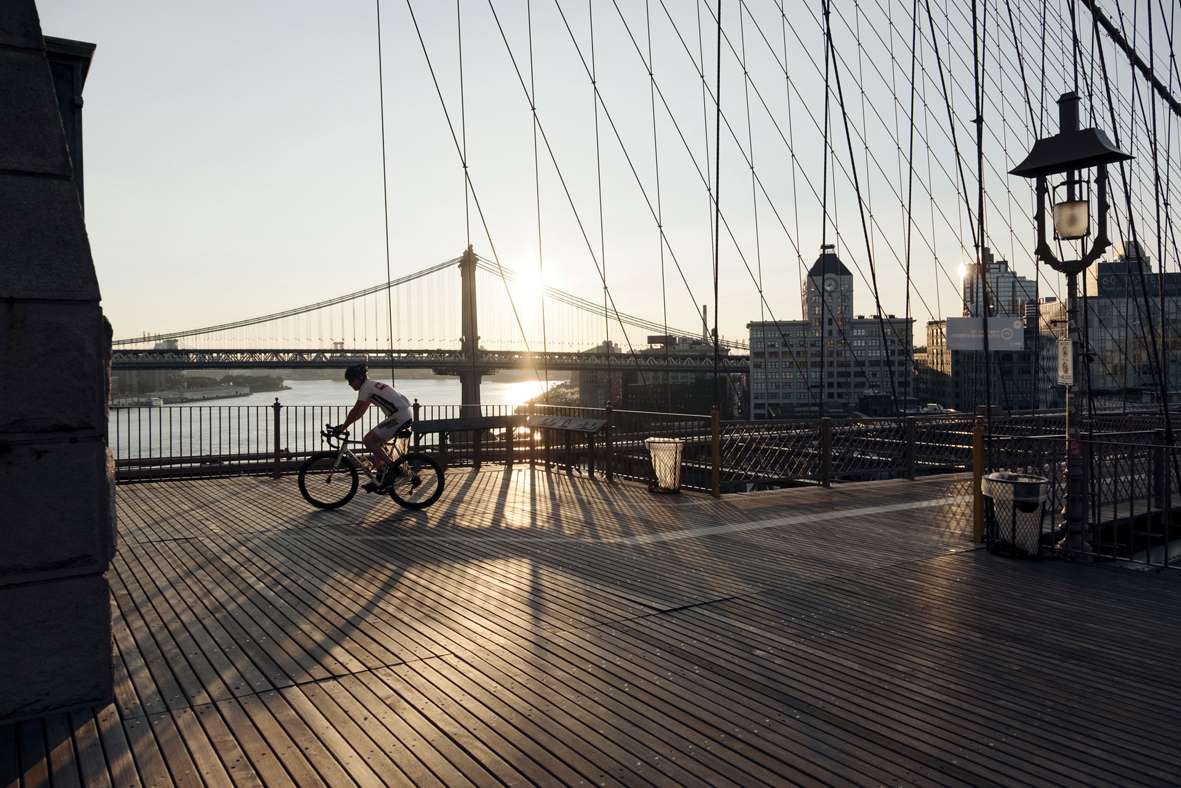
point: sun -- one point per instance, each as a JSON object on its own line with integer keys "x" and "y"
{"x": 527, "y": 292}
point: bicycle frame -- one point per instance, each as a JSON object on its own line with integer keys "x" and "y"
{"x": 339, "y": 443}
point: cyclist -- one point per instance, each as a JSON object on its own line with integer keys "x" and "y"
{"x": 397, "y": 412}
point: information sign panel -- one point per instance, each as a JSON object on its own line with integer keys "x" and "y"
{"x": 967, "y": 333}
{"x": 575, "y": 423}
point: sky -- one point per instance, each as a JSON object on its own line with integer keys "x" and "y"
{"x": 234, "y": 152}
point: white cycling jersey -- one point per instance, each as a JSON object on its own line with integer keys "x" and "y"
{"x": 385, "y": 397}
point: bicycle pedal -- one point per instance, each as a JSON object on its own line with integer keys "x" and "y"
{"x": 369, "y": 487}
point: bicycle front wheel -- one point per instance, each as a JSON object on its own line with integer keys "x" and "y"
{"x": 418, "y": 481}
{"x": 328, "y": 480}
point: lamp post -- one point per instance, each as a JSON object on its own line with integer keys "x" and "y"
{"x": 1069, "y": 153}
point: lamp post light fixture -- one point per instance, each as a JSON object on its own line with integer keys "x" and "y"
{"x": 1070, "y": 152}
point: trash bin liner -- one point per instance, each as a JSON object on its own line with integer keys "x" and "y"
{"x": 1016, "y": 511}
{"x": 666, "y": 463}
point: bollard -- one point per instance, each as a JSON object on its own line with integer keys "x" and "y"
{"x": 277, "y": 407}
{"x": 977, "y": 477}
{"x": 715, "y": 426}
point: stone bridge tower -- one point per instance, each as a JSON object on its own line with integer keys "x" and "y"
{"x": 56, "y": 475}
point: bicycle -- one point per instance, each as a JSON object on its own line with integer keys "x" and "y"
{"x": 329, "y": 479}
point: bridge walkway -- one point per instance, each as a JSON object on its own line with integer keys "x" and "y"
{"x": 537, "y": 629}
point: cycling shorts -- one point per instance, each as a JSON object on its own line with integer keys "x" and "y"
{"x": 387, "y": 430}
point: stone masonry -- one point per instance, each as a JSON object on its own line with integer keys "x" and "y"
{"x": 57, "y": 522}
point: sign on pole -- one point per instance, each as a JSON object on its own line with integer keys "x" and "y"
{"x": 967, "y": 333}
{"x": 1065, "y": 362}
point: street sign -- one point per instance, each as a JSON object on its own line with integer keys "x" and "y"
{"x": 967, "y": 333}
{"x": 1065, "y": 362}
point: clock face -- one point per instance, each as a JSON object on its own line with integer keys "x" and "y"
{"x": 830, "y": 285}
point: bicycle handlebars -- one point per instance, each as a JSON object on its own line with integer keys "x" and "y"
{"x": 330, "y": 433}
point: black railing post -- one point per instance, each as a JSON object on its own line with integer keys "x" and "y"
{"x": 531, "y": 409}
{"x": 1160, "y": 473}
{"x": 443, "y": 449}
{"x": 1167, "y": 513}
{"x": 609, "y": 444}
{"x": 509, "y": 437}
{"x": 569, "y": 453}
{"x": 715, "y": 445}
{"x": 590, "y": 455}
{"x": 417, "y": 435}
{"x": 911, "y": 429}
{"x": 826, "y": 452}
{"x": 277, "y": 408}
{"x": 477, "y": 445}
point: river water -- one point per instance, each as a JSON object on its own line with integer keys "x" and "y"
{"x": 245, "y": 425}
{"x": 430, "y": 391}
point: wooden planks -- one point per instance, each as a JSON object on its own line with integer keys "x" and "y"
{"x": 533, "y": 629}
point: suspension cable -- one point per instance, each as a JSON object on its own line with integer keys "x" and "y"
{"x": 385, "y": 199}
{"x": 717, "y": 204}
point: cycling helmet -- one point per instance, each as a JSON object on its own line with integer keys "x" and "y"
{"x": 356, "y": 371}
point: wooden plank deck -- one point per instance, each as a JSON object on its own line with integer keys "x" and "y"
{"x": 534, "y": 629}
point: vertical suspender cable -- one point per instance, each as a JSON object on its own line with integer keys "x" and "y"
{"x": 467, "y": 213}
{"x": 828, "y": 55}
{"x": 717, "y": 202}
{"x": 1156, "y": 191}
{"x": 467, "y": 184}
{"x": 914, "y": 33}
{"x": 599, "y": 176}
{"x": 385, "y": 198}
{"x": 750, "y": 144}
{"x": 659, "y": 208}
{"x": 864, "y": 223}
{"x": 537, "y": 196}
{"x": 705, "y": 130}
{"x": 1074, "y": 45}
{"x": 981, "y": 264}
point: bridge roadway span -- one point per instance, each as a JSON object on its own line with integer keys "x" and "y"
{"x": 536, "y": 629}
{"x": 453, "y": 361}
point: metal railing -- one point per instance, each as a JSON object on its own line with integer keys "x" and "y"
{"x": 150, "y": 443}
{"x": 170, "y": 442}
{"x": 1130, "y": 481}
{"x": 218, "y": 440}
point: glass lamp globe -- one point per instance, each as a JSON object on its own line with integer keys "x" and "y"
{"x": 1072, "y": 219}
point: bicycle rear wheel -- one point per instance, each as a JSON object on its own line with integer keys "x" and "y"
{"x": 418, "y": 481}
{"x": 326, "y": 483}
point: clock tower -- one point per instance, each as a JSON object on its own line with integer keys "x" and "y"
{"x": 828, "y": 291}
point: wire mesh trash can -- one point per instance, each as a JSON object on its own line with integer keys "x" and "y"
{"x": 1015, "y": 512}
{"x": 666, "y": 463}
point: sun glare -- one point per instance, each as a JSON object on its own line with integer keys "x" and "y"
{"x": 527, "y": 292}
